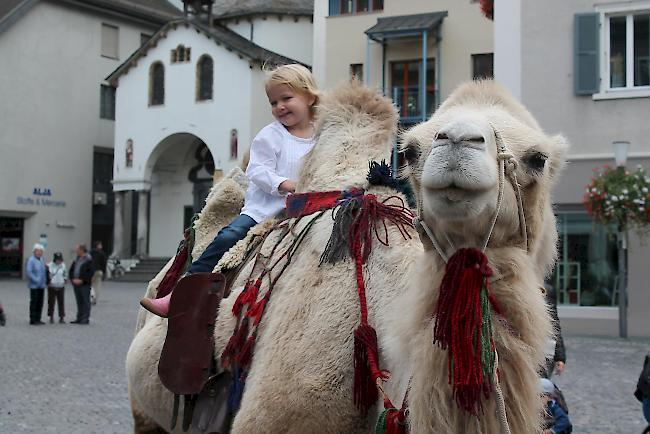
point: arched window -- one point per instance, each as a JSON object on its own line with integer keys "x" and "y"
{"x": 157, "y": 84}
{"x": 204, "y": 78}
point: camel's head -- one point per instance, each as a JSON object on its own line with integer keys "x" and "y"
{"x": 453, "y": 162}
{"x": 354, "y": 125}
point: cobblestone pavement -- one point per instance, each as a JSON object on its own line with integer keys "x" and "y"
{"x": 69, "y": 379}
{"x": 66, "y": 378}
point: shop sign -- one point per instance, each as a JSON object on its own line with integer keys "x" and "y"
{"x": 40, "y": 197}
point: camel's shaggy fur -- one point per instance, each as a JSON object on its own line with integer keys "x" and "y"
{"x": 522, "y": 333}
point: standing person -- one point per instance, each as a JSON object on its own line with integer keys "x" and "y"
{"x": 276, "y": 157}
{"x": 56, "y": 287}
{"x": 81, "y": 273}
{"x": 556, "y": 363}
{"x": 37, "y": 279}
{"x": 99, "y": 265}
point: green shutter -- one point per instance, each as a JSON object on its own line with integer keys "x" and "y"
{"x": 586, "y": 42}
{"x": 335, "y": 7}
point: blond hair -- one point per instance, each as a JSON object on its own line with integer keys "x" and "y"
{"x": 297, "y": 77}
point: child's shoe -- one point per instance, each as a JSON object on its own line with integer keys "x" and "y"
{"x": 157, "y": 306}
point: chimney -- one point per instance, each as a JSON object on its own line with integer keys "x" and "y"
{"x": 199, "y": 10}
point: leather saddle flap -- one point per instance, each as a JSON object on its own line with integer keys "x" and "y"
{"x": 186, "y": 356}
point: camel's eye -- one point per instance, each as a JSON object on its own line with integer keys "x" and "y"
{"x": 536, "y": 161}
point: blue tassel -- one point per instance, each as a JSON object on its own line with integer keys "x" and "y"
{"x": 236, "y": 391}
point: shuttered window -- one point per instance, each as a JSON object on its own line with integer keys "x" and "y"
{"x": 204, "y": 78}
{"x": 110, "y": 41}
{"x": 586, "y": 70}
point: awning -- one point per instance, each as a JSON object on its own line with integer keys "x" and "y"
{"x": 405, "y": 25}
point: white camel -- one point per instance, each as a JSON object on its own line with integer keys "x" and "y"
{"x": 454, "y": 164}
{"x": 302, "y": 372}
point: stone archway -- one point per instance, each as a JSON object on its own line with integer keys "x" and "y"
{"x": 181, "y": 174}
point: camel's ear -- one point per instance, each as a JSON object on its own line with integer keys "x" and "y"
{"x": 410, "y": 149}
{"x": 557, "y": 157}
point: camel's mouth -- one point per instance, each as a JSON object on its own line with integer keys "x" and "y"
{"x": 454, "y": 194}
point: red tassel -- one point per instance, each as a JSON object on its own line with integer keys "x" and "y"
{"x": 257, "y": 311}
{"x": 235, "y": 343}
{"x": 365, "y": 356}
{"x": 464, "y": 329}
{"x": 246, "y": 354}
{"x": 171, "y": 277}
{"x": 248, "y": 296}
{"x": 395, "y": 422}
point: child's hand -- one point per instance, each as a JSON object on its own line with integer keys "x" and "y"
{"x": 287, "y": 186}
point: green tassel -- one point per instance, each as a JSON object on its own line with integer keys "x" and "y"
{"x": 380, "y": 426}
{"x": 487, "y": 350}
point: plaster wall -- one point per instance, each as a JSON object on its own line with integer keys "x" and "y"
{"x": 49, "y": 107}
{"x": 507, "y": 45}
{"x": 464, "y": 32}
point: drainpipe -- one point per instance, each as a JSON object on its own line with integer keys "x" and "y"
{"x": 423, "y": 78}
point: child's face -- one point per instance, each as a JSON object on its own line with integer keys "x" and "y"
{"x": 289, "y": 107}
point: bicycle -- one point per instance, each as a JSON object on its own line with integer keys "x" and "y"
{"x": 115, "y": 268}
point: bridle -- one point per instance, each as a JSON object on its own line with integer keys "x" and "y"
{"x": 507, "y": 169}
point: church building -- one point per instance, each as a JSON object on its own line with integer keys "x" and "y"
{"x": 188, "y": 104}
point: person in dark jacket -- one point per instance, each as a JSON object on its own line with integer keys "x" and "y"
{"x": 642, "y": 392}
{"x": 555, "y": 420}
{"x": 81, "y": 274}
{"x": 99, "y": 265}
{"x": 556, "y": 363}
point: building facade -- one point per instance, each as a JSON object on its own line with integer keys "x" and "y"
{"x": 589, "y": 79}
{"x": 416, "y": 52}
{"x": 189, "y": 103}
{"x": 57, "y": 118}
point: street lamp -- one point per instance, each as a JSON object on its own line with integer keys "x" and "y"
{"x": 620, "y": 155}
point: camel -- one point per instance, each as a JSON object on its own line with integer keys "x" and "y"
{"x": 303, "y": 357}
{"x": 301, "y": 375}
{"x": 454, "y": 167}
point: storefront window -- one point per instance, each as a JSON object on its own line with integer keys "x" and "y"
{"x": 586, "y": 270}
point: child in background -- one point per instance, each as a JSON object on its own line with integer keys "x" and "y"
{"x": 276, "y": 158}
{"x": 56, "y": 287}
{"x": 556, "y": 421}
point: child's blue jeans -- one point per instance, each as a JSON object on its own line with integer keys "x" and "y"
{"x": 646, "y": 409}
{"x": 225, "y": 239}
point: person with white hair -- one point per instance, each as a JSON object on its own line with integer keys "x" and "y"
{"x": 556, "y": 420}
{"x": 36, "y": 281}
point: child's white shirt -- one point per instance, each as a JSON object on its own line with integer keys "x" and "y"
{"x": 275, "y": 156}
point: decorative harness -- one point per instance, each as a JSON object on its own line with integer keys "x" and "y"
{"x": 358, "y": 218}
{"x": 463, "y": 320}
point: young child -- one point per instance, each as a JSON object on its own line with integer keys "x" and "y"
{"x": 276, "y": 157}
{"x": 56, "y": 288}
{"x": 556, "y": 421}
